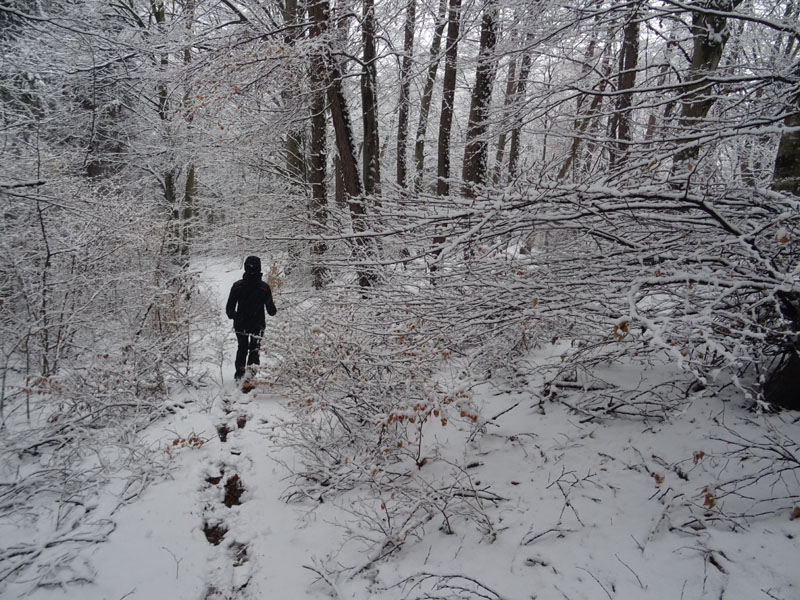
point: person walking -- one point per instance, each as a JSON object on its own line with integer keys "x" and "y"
{"x": 246, "y": 303}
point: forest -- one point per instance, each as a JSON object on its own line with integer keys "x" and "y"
{"x": 448, "y": 196}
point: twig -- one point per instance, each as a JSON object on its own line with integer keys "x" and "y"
{"x": 449, "y": 582}
{"x": 598, "y": 582}
{"x": 176, "y": 559}
{"x": 529, "y": 541}
{"x": 324, "y": 578}
{"x": 641, "y": 585}
{"x": 500, "y": 414}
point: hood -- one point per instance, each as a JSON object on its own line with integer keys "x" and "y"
{"x": 252, "y": 266}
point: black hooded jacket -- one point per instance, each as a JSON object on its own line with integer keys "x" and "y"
{"x": 246, "y": 302}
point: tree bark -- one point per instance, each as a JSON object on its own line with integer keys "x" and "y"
{"x": 190, "y": 185}
{"x": 318, "y": 164}
{"x": 782, "y": 383}
{"x": 159, "y": 14}
{"x": 476, "y": 151}
{"x": 369, "y": 103}
{"x": 710, "y": 34}
{"x": 448, "y": 97}
{"x": 786, "y": 175}
{"x": 405, "y": 85}
{"x": 626, "y": 81}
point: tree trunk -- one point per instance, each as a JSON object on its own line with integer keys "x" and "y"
{"x": 170, "y": 188}
{"x": 787, "y": 163}
{"x": 511, "y": 88}
{"x": 427, "y": 95}
{"x": 405, "y": 85}
{"x": 159, "y": 14}
{"x": 783, "y": 382}
{"x": 318, "y": 165}
{"x": 653, "y": 119}
{"x": 344, "y": 141}
{"x": 710, "y": 34}
{"x": 295, "y": 162}
{"x": 626, "y": 80}
{"x": 476, "y": 151}
{"x": 448, "y": 96}
{"x": 369, "y": 103}
{"x": 339, "y": 195}
{"x": 786, "y": 175}
{"x": 519, "y": 96}
{"x": 190, "y": 186}
{"x": 319, "y": 11}
{"x": 581, "y": 123}
{"x": 187, "y": 216}
{"x": 584, "y": 117}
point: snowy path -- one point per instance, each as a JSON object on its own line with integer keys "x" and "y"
{"x": 217, "y": 529}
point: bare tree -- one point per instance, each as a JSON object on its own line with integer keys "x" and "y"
{"x": 319, "y": 12}
{"x": 519, "y": 95}
{"x": 369, "y": 103}
{"x": 295, "y": 163}
{"x": 405, "y": 85}
{"x": 448, "y": 96}
{"x": 710, "y": 33}
{"x": 190, "y": 185}
{"x": 510, "y": 92}
{"x": 476, "y": 151}
{"x": 626, "y": 82}
{"x": 319, "y": 158}
{"x": 585, "y": 110}
{"x": 427, "y": 94}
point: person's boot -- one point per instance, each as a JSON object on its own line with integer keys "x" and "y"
{"x": 238, "y": 375}
{"x": 248, "y": 384}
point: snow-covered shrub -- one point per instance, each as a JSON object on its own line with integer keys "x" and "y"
{"x": 705, "y": 280}
{"x": 365, "y": 383}
{"x": 96, "y": 325}
{"x": 375, "y": 395}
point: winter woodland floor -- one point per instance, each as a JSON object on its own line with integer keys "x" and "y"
{"x": 573, "y": 509}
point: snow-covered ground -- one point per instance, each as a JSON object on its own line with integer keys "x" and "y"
{"x": 574, "y": 508}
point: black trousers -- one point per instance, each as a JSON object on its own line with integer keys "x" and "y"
{"x": 247, "y": 350}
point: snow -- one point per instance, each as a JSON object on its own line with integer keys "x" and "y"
{"x": 587, "y": 509}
